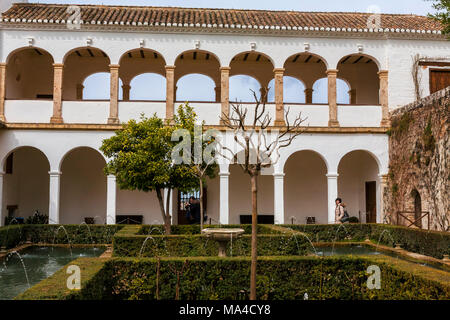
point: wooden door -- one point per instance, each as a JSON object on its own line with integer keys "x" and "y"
{"x": 439, "y": 79}
{"x": 371, "y": 202}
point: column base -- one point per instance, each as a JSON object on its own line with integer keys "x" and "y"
{"x": 113, "y": 121}
{"x": 333, "y": 123}
{"x": 56, "y": 120}
{"x": 2, "y": 118}
{"x": 385, "y": 123}
{"x": 279, "y": 123}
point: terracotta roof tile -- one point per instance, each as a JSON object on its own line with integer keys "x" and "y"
{"x": 217, "y": 17}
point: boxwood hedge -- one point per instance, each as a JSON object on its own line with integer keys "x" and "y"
{"x": 211, "y": 278}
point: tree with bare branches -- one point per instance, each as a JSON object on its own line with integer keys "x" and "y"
{"x": 260, "y": 147}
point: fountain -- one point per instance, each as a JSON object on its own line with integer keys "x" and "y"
{"x": 223, "y": 236}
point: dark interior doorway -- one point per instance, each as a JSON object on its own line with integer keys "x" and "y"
{"x": 417, "y": 209}
{"x": 371, "y": 202}
{"x": 183, "y": 199}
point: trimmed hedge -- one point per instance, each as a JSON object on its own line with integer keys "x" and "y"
{"x": 195, "y": 229}
{"x": 279, "y": 278}
{"x": 199, "y": 245}
{"x": 430, "y": 243}
{"x": 11, "y": 236}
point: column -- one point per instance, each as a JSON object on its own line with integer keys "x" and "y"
{"x": 55, "y": 179}
{"x": 2, "y": 219}
{"x": 170, "y": 92}
{"x": 224, "y": 198}
{"x": 2, "y": 91}
{"x": 126, "y": 92}
{"x": 278, "y": 180}
{"x": 218, "y": 95}
{"x": 225, "y": 90}
{"x": 332, "y": 182}
{"x": 111, "y": 199}
{"x": 57, "y": 93}
{"x": 80, "y": 89}
{"x": 308, "y": 95}
{"x": 279, "y": 104}
{"x": 352, "y": 96}
{"x": 384, "y": 97}
{"x": 114, "y": 94}
{"x": 332, "y": 100}
{"x": 382, "y": 209}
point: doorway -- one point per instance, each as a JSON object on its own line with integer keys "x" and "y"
{"x": 371, "y": 202}
{"x": 183, "y": 199}
{"x": 417, "y": 209}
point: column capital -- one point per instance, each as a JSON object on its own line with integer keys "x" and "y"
{"x": 58, "y": 65}
{"x": 279, "y": 175}
{"x": 168, "y": 67}
{"x": 383, "y": 178}
{"x": 332, "y": 175}
{"x": 224, "y": 174}
{"x": 55, "y": 173}
{"x": 278, "y": 70}
{"x": 2, "y": 173}
{"x": 332, "y": 72}
{"x": 114, "y": 66}
{"x": 225, "y": 68}
{"x": 2, "y": 64}
{"x": 309, "y": 90}
{"x": 383, "y": 73}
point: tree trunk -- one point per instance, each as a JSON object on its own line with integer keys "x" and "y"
{"x": 166, "y": 217}
{"x": 254, "y": 181}
{"x": 201, "y": 205}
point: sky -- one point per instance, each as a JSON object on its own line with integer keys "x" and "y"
{"x": 97, "y": 86}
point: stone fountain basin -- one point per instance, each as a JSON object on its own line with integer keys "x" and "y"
{"x": 223, "y": 234}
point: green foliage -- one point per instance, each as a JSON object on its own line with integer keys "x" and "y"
{"x": 442, "y": 15}
{"x": 194, "y": 229}
{"x": 212, "y": 278}
{"x": 12, "y": 236}
{"x": 37, "y": 218}
{"x": 196, "y": 245}
{"x": 400, "y": 124}
{"x": 429, "y": 141}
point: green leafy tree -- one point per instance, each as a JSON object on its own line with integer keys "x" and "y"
{"x": 198, "y": 150}
{"x": 442, "y": 14}
{"x": 140, "y": 158}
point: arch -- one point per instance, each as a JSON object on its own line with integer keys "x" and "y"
{"x": 361, "y": 73}
{"x": 15, "y": 51}
{"x": 86, "y": 52}
{"x": 358, "y": 185}
{"x": 142, "y": 51}
{"x": 247, "y": 55}
{"x": 3, "y": 161}
{"x": 357, "y": 55}
{"x": 76, "y": 148}
{"x": 306, "y": 190}
{"x": 374, "y": 156}
{"x": 293, "y": 90}
{"x": 320, "y": 91}
{"x": 196, "y": 53}
{"x": 305, "y": 57}
{"x": 96, "y": 86}
{"x": 286, "y": 158}
{"x": 148, "y": 86}
{"x": 83, "y": 186}
{"x": 240, "y": 85}
{"x": 29, "y": 74}
{"x": 196, "y": 84}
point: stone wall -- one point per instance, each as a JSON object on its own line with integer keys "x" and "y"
{"x": 419, "y": 172}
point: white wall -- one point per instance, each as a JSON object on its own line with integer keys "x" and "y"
{"x": 28, "y": 111}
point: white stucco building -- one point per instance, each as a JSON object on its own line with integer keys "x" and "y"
{"x": 50, "y": 135}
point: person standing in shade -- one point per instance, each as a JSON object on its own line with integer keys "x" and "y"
{"x": 339, "y": 211}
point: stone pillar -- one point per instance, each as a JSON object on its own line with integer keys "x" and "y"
{"x": 218, "y": 95}
{"x": 170, "y": 92}
{"x": 114, "y": 94}
{"x": 332, "y": 182}
{"x": 111, "y": 196}
{"x": 332, "y": 99}
{"x": 224, "y": 214}
{"x": 80, "y": 89}
{"x": 2, "y": 218}
{"x": 382, "y": 185}
{"x": 2, "y": 91}
{"x": 225, "y": 91}
{"x": 53, "y": 208}
{"x": 278, "y": 180}
{"x": 352, "y": 96}
{"x": 384, "y": 97}
{"x": 57, "y": 93}
{"x": 279, "y": 104}
{"x": 308, "y": 95}
{"x": 126, "y": 92}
